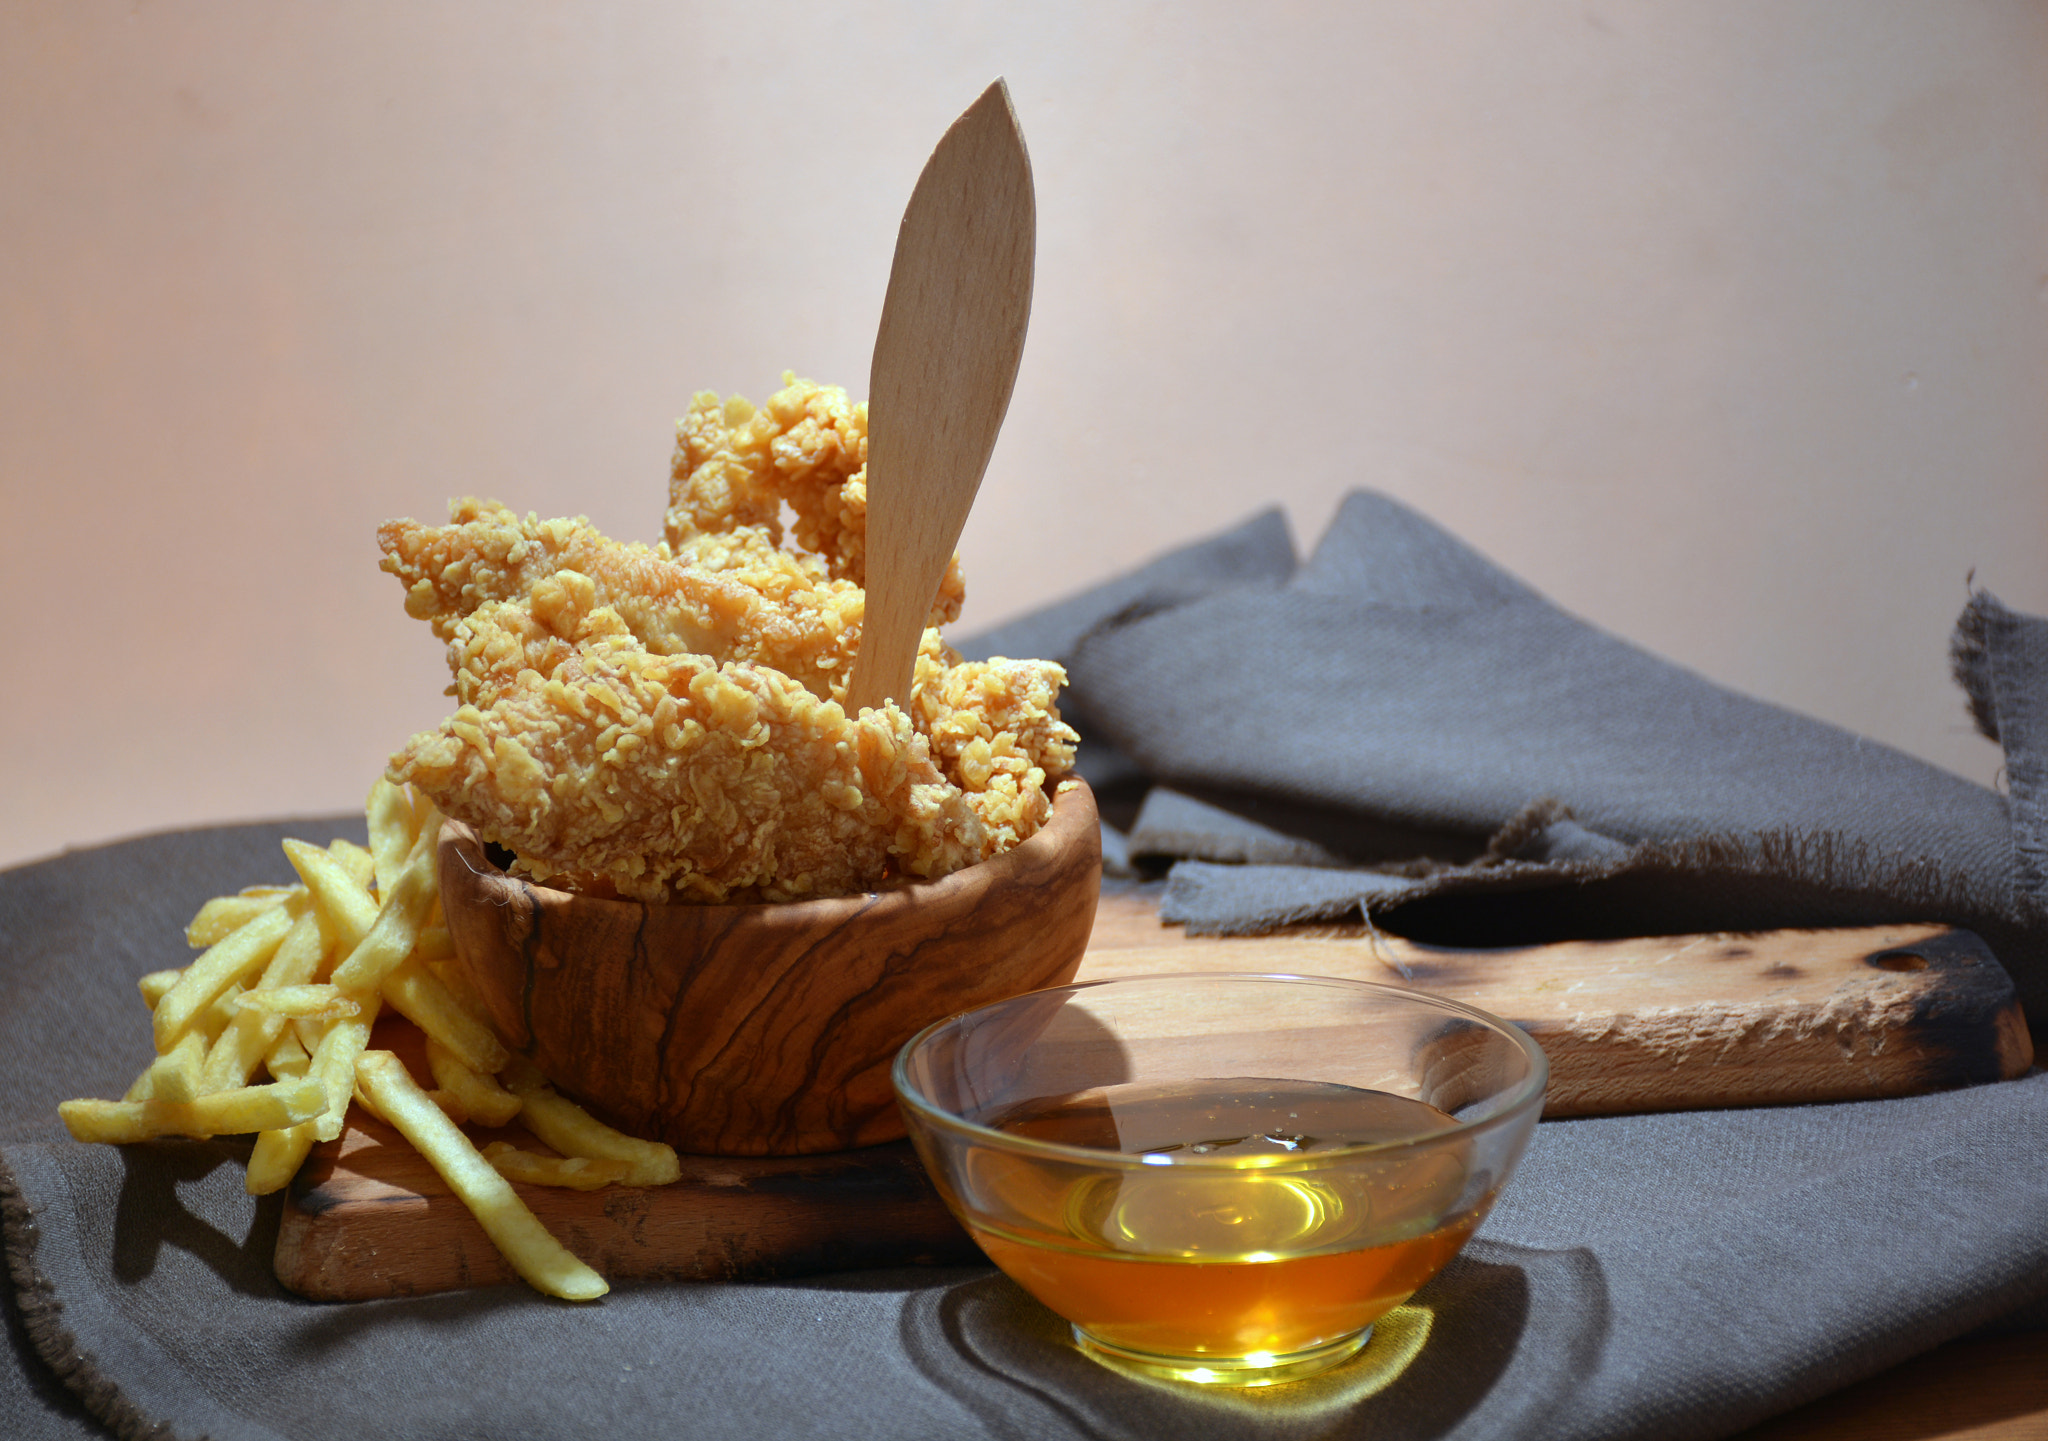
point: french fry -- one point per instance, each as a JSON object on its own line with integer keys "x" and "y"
{"x": 251, "y": 1032}
{"x": 579, "y": 1173}
{"x": 155, "y": 984}
{"x": 537, "y": 1256}
{"x": 322, "y": 1002}
{"x": 277, "y": 1157}
{"x": 278, "y": 1154}
{"x": 417, "y": 994}
{"x": 562, "y": 1125}
{"x": 456, "y": 983}
{"x": 487, "y": 1102}
{"x": 218, "y": 1016}
{"x": 358, "y": 1097}
{"x": 225, "y": 914}
{"x": 392, "y": 828}
{"x": 253, "y": 1108}
{"x": 334, "y": 1064}
{"x": 287, "y": 1059}
{"x": 354, "y": 859}
{"x": 180, "y": 1073}
{"x": 242, "y": 953}
{"x": 176, "y": 1075}
{"x": 293, "y": 978}
{"x": 343, "y": 901}
{"x": 396, "y": 930}
{"x": 450, "y": 1105}
{"x": 301, "y": 953}
{"x": 232, "y": 1059}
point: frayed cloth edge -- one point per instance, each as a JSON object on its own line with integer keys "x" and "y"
{"x": 1833, "y": 867}
{"x": 1270, "y": 920}
{"x": 54, "y": 1344}
{"x": 1969, "y": 658}
{"x": 1827, "y": 862}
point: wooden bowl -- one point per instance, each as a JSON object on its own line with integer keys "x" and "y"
{"x": 763, "y": 1030}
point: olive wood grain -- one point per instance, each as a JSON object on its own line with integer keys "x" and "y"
{"x": 763, "y": 1029}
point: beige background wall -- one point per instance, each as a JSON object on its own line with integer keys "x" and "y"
{"x": 1724, "y": 324}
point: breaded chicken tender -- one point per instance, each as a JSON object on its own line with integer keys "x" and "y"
{"x": 667, "y": 722}
{"x": 769, "y": 612}
{"x": 736, "y": 467}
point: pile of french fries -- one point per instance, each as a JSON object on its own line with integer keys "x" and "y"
{"x": 290, "y": 980}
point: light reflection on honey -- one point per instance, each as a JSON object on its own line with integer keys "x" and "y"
{"x": 1266, "y": 1248}
{"x": 1397, "y": 1339}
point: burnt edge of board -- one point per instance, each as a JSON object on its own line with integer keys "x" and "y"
{"x": 1970, "y": 1026}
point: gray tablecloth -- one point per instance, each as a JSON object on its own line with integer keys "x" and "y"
{"x": 1402, "y": 723}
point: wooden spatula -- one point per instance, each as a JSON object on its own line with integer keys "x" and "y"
{"x": 945, "y": 360}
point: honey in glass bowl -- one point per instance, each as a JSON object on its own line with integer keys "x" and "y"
{"x": 1222, "y": 1179}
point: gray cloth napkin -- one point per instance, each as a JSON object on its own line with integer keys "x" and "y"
{"x": 1677, "y": 1276}
{"x": 1403, "y": 724}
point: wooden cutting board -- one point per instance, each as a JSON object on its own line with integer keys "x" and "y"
{"x": 1642, "y": 1024}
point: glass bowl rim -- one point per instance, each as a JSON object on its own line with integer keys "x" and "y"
{"x": 1520, "y": 1097}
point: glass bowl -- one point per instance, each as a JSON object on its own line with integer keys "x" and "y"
{"x": 1223, "y": 1179}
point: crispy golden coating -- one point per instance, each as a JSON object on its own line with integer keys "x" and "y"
{"x": 736, "y": 467}
{"x": 770, "y": 612}
{"x": 619, "y": 770}
{"x": 666, "y": 722}
{"x": 996, "y": 733}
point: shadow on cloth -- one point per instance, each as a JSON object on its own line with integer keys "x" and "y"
{"x": 150, "y": 1215}
{"x": 328, "y": 1327}
{"x": 1506, "y": 1331}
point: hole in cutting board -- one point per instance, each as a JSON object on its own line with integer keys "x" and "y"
{"x": 1898, "y": 961}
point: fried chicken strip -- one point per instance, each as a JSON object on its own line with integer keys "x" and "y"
{"x": 658, "y": 777}
{"x": 735, "y": 468}
{"x": 769, "y": 613}
{"x": 667, "y": 722}
{"x": 995, "y": 733}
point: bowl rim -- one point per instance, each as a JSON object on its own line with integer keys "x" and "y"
{"x": 1523, "y": 1096}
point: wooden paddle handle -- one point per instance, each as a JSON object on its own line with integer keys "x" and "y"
{"x": 946, "y": 355}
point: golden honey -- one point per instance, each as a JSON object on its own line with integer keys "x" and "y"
{"x": 1242, "y": 1254}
